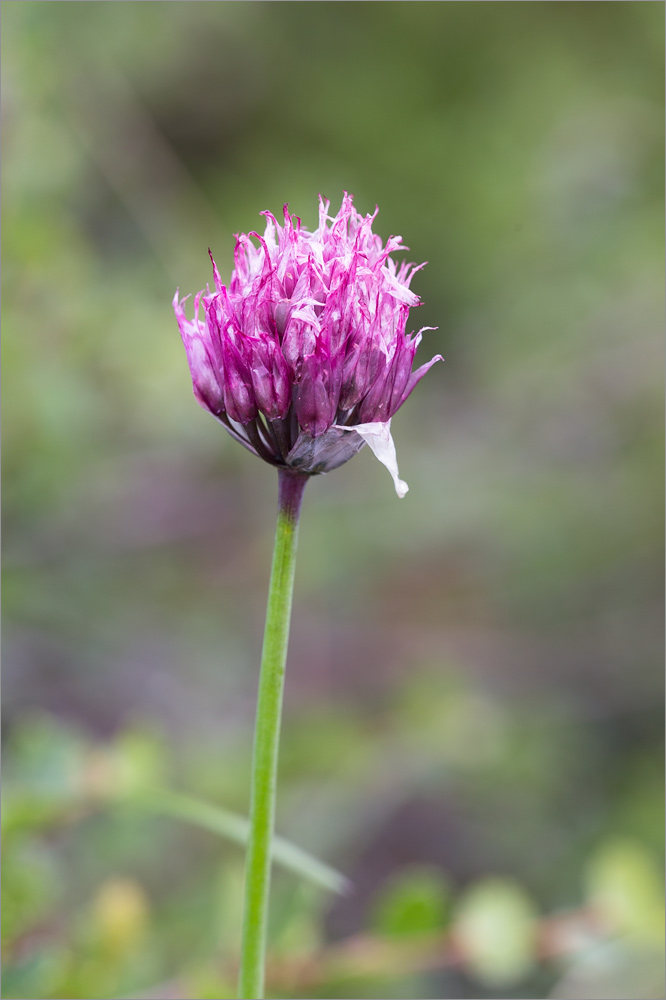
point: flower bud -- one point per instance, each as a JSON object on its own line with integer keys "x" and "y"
{"x": 304, "y": 356}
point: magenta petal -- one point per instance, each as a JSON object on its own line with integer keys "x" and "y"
{"x": 206, "y": 375}
{"x": 317, "y": 393}
{"x": 239, "y": 398}
{"x": 415, "y": 378}
{"x": 270, "y": 379}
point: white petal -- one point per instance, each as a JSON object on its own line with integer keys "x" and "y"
{"x": 378, "y": 437}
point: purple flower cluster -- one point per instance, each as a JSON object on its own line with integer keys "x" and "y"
{"x": 304, "y": 356}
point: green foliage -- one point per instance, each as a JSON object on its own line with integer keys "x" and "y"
{"x": 625, "y": 886}
{"x": 30, "y": 889}
{"x": 414, "y": 902}
{"x": 125, "y": 929}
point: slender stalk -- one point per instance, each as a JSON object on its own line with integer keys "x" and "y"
{"x": 267, "y": 737}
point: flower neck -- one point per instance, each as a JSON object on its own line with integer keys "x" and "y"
{"x": 291, "y": 486}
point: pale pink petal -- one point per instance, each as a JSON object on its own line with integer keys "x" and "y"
{"x": 378, "y": 438}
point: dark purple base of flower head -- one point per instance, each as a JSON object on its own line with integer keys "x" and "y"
{"x": 284, "y": 444}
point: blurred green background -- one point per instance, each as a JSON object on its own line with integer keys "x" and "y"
{"x": 473, "y": 720}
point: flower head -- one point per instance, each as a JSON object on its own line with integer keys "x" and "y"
{"x": 304, "y": 356}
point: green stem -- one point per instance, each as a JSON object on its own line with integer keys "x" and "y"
{"x": 267, "y": 737}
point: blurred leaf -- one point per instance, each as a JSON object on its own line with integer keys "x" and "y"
{"x": 141, "y": 759}
{"x": 415, "y": 901}
{"x": 206, "y": 983}
{"x": 495, "y": 927}
{"x": 625, "y": 886}
{"x": 30, "y": 887}
{"x": 235, "y": 827}
{"x": 119, "y": 915}
{"x": 36, "y": 975}
{"x": 48, "y": 756}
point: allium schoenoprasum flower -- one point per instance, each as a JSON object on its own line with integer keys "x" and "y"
{"x": 304, "y": 356}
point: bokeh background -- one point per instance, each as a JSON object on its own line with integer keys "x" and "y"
{"x": 473, "y": 718}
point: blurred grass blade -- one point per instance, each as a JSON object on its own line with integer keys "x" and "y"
{"x": 235, "y": 827}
